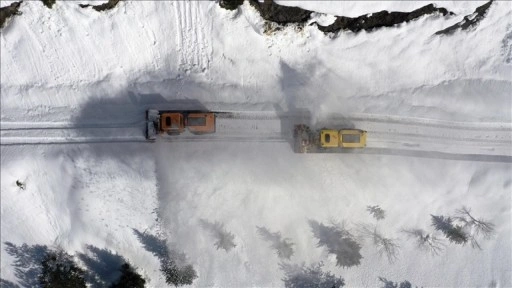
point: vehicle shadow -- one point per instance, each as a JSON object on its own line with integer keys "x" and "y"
{"x": 128, "y": 109}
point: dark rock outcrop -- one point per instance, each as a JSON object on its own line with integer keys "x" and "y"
{"x": 102, "y": 7}
{"x": 468, "y": 21}
{"x": 9, "y": 11}
{"x": 48, "y": 3}
{"x": 230, "y": 4}
{"x": 271, "y": 11}
{"x": 380, "y": 19}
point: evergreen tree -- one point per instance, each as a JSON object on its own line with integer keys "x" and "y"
{"x": 129, "y": 278}
{"x": 178, "y": 276}
{"x": 60, "y": 271}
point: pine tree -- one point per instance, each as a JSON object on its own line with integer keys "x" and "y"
{"x": 177, "y": 276}
{"x": 60, "y": 271}
{"x": 129, "y": 278}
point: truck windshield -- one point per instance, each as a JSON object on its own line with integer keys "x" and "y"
{"x": 197, "y": 121}
{"x": 351, "y": 138}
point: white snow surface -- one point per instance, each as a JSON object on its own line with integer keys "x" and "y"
{"x": 70, "y": 66}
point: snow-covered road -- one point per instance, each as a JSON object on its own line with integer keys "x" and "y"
{"x": 384, "y": 132}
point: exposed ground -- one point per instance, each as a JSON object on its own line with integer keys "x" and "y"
{"x": 9, "y": 11}
{"x": 102, "y": 7}
{"x": 49, "y": 3}
{"x": 468, "y": 21}
{"x": 274, "y": 12}
{"x": 372, "y": 21}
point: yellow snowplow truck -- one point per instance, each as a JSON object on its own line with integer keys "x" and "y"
{"x": 326, "y": 140}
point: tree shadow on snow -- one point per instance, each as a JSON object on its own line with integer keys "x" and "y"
{"x": 158, "y": 247}
{"x": 27, "y": 263}
{"x": 338, "y": 240}
{"x": 103, "y": 266}
{"x": 224, "y": 239}
{"x": 7, "y": 284}
{"x": 283, "y": 247}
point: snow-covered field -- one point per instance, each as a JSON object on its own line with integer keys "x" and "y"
{"x": 70, "y": 67}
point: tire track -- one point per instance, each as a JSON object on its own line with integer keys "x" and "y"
{"x": 192, "y": 37}
{"x": 389, "y": 133}
{"x": 20, "y": 126}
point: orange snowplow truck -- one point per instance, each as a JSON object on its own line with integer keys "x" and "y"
{"x": 177, "y": 122}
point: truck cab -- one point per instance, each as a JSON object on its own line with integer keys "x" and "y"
{"x": 172, "y": 123}
{"x": 329, "y": 138}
